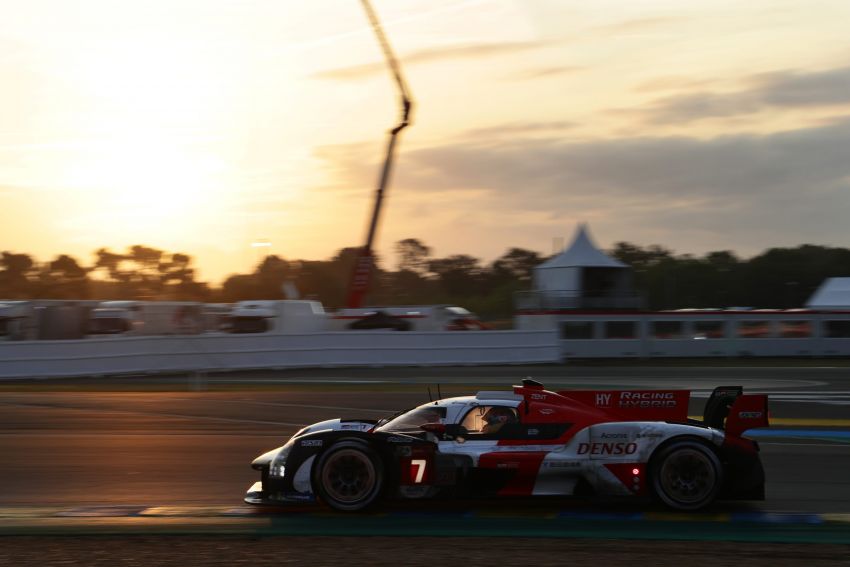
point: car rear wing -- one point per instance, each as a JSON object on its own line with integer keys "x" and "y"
{"x": 730, "y": 409}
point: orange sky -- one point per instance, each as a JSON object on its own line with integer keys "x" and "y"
{"x": 201, "y": 126}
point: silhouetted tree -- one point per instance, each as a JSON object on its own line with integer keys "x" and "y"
{"x": 412, "y": 256}
{"x": 458, "y": 275}
{"x": 64, "y": 278}
{"x": 778, "y": 277}
{"x": 149, "y": 273}
{"x": 16, "y": 278}
{"x": 515, "y": 265}
{"x": 239, "y": 287}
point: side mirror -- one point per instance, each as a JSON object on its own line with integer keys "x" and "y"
{"x": 455, "y": 430}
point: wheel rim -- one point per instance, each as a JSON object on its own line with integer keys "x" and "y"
{"x": 688, "y": 476}
{"x": 349, "y": 476}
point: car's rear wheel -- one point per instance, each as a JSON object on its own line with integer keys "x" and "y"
{"x": 686, "y": 475}
{"x": 349, "y": 476}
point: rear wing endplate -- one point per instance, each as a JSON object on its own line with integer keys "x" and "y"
{"x": 730, "y": 409}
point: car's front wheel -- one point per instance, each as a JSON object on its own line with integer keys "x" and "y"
{"x": 686, "y": 475}
{"x": 349, "y": 476}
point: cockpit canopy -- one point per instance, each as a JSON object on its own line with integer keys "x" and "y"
{"x": 413, "y": 420}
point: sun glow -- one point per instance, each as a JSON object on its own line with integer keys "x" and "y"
{"x": 151, "y": 117}
{"x": 147, "y": 180}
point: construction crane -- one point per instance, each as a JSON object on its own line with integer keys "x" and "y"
{"x": 362, "y": 273}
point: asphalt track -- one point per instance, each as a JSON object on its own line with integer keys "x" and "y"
{"x": 143, "y": 455}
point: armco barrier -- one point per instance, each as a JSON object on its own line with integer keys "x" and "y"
{"x": 216, "y": 352}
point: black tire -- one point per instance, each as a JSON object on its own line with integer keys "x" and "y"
{"x": 685, "y": 475}
{"x": 349, "y": 476}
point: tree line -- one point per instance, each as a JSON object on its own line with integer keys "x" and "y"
{"x": 776, "y": 278}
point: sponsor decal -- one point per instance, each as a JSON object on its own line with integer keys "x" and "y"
{"x": 546, "y": 411}
{"x": 647, "y": 400}
{"x": 648, "y": 435}
{"x": 750, "y": 414}
{"x": 615, "y": 436}
{"x": 395, "y": 439}
{"x": 636, "y": 399}
{"x": 311, "y": 443}
{"x": 607, "y": 448}
{"x": 532, "y": 431}
{"x": 538, "y": 396}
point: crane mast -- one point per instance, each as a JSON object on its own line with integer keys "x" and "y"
{"x": 363, "y": 266}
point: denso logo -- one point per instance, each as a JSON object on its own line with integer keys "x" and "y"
{"x": 607, "y": 448}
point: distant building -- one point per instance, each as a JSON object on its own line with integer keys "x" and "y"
{"x": 832, "y": 295}
{"x": 581, "y": 277}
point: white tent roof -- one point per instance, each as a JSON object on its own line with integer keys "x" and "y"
{"x": 582, "y": 253}
{"x": 834, "y": 293}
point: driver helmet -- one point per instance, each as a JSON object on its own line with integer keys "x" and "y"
{"x": 499, "y": 416}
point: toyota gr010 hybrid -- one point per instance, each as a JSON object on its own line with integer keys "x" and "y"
{"x": 527, "y": 442}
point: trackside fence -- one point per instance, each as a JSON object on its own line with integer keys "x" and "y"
{"x": 220, "y": 352}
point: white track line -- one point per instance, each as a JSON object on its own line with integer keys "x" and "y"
{"x": 156, "y": 414}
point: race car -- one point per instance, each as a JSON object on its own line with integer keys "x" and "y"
{"x": 527, "y": 442}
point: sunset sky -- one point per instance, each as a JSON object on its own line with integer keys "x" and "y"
{"x": 200, "y": 126}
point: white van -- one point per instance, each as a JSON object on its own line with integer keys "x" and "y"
{"x": 147, "y": 318}
{"x": 279, "y": 316}
{"x": 17, "y": 321}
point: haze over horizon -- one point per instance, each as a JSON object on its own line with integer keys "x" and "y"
{"x": 202, "y": 127}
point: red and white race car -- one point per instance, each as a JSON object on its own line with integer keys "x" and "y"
{"x": 528, "y": 442}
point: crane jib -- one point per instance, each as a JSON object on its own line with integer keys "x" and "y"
{"x": 361, "y": 273}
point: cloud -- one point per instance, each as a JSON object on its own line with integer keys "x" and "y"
{"x": 787, "y": 89}
{"x": 671, "y": 82}
{"x": 820, "y": 88}
{"x": 481, "y": 50}
{"x": 737, "y": 192}
{"x": 517, "y": 128}
{"x": 472, "y": 51}
{"x": 544, "y": 72}
{"x": 637, "y": 26}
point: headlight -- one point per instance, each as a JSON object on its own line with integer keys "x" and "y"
{"x": 278, "y": 465}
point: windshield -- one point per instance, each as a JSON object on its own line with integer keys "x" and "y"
{"x": 412, "y": 420}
